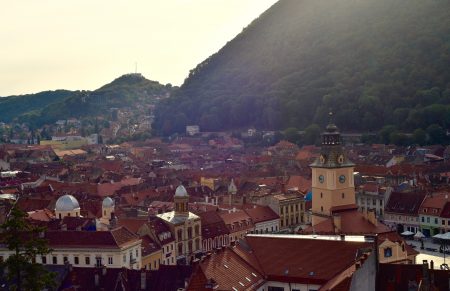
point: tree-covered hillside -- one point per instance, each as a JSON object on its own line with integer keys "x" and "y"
{"x": 373, "y": 62}
{"x": 13, "y": 106}
{"x": 129, "y": 90}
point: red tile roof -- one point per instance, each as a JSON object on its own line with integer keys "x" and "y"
{"x": 230, "y": 271}
{"x": 115, "y": 238}
{"x": 302, "y": 260}
{"x": 261, "y": 214}
{"x": 405, "y": 202}
{"x": 352, "y": 222}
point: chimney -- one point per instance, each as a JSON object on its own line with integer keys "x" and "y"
{"x": 371, "y": 217}
{"x": 337, "y": 223}
{"x": 143, "y": 280}
{"x": 96, "y": 280}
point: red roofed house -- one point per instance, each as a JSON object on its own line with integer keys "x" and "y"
{"x": 402, "y": 211}
{"x": 264, "y": 219}
{"x": 116, "y": 248}
{"x": 286, "y": 262}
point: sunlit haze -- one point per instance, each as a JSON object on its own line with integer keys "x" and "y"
{"x": 56, "y": 44}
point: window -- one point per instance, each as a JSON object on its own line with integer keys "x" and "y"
{"x": 189, "y": 232}
{"x": 65, "y": 259}
{"x": 197, "y": 230}
{"x": 387, "y": 252}
{"x": 1, "y": 259}
{"x": 124, "y": 258}
{"x": 374, "y": 201}
{"x": 296, "y": 207}
{"x": 321, "y": 194}
{"x": 180, "y": 234}
{"x": 76, "y": 261}
{"x": 137, "y": 253}
{"x": 43, "y": 259}
{"x": 423, "y": 219}
{"x": 281, "y": 209}
{"x": 110, "y": 260}
{"x": 55, "y": 260}
{"x": 343, "y": 195}
{"x": 275, "y": 288}
{"x": 443, "y": 222}
{"x": 428, "y": 220}
{"x": 87, "y": 260}
{"x": 98, "y": 261}
{"x": 321, "y": 208}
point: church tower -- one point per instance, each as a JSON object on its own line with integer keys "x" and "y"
{"x": 332, "y": 177}
{"x": 232, "y": 190}
{"x": 181, "y": 200}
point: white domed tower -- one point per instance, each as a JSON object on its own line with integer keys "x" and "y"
{"x": 107, "y": 208}
{"x": 181, "y": 200}
{"x": 67, "y": 205}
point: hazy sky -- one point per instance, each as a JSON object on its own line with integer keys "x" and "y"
{"x": 83, "y": 44}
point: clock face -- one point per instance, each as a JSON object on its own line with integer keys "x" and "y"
{"x": 321, "y": 178}
{"x": 341, "y": 179}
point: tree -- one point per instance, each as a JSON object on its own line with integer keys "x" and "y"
{"x": 291, "y": 134}
{"x": 420, "y": 136}
{"x": 385, "y": 133}
{"x": 312, "y": 134}
{"x": 436, "y": 134}
{"x": 26, "y": 242}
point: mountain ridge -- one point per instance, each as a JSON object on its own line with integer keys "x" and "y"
{"x": 378, "y": 62}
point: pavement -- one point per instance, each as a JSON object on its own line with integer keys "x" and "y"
{"x": 435, "y": 256}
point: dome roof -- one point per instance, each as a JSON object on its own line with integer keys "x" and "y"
{"x": 181, "y": 191}
{"x": 108, "y": 202}
{"x": 67, "y": 203}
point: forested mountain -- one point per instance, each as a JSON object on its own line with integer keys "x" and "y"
{"x": 373, "y": 62}
{"x": 46, "y": 107}
{"x": 13, "y": 106}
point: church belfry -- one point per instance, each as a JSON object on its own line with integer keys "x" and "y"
{"x": 181, "y": 200}
{"x": 332, "y": 177}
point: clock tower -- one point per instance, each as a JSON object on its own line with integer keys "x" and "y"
{"x": 333, "y": 187}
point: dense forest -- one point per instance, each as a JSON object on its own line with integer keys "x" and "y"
{"x": 378, "y": 64}
{"x": 14, "y": 106}
{"x": 47, "y": 107}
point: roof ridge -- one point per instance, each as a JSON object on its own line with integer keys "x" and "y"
{"x": 247, "y": 263}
